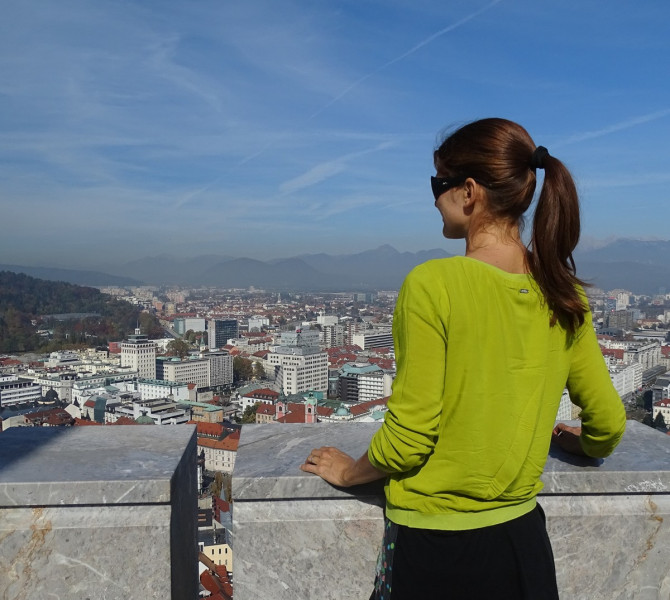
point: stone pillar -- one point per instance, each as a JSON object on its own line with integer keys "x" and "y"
{"x": 103, "y": 512}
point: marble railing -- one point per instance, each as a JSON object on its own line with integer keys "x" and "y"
{"x": 90, "y": 513}
{"x": 296, "y": 537}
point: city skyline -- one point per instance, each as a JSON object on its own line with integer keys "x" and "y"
{"x": 270, "y": 130}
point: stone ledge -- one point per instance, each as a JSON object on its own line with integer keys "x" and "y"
{"x": 296, "y": 536}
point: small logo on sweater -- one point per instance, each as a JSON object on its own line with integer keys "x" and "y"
{"x": 523, "y": 291}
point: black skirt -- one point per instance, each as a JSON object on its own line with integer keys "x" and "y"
{"x": 509, "y": 561}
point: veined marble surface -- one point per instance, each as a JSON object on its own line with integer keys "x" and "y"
{"x": 269, "y": 459}
{"x": 98, "y": 513}
{"x": 297, "y": 537}
{"x": 124, "y": 464}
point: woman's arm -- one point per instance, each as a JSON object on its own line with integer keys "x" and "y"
{"x": 339, "y": 468}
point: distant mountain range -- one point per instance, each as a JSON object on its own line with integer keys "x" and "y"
{"x": 640, "y": 266}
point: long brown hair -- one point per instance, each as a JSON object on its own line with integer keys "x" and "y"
{"x": 499, "y": 155}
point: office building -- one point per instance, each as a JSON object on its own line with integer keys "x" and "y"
{"x": 139, "y": 353}
{"x": 219, "y": 331}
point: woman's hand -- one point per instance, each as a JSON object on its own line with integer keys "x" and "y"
{"x": 568, "y": 438}
{"x": 339, "y": 468}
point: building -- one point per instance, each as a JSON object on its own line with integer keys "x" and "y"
{"x": 647, "y": 354}
{"x": 626, "y": 378}
{"x": 661, "y": 389}
{"x": 195, "y": 371}
{"x": 373, "y": 339}
{"x": 183, "y": 324}
{"x": 220, "y": 331}
{"x": 303, "y": 337}
{"x": 15, "y": 390}
{"x": 150, "y": 389}
{"x": 257, "y": 323}
{"x": 349, "y": 382}
{"x": 220, "y": 367}
{"x": 65, "y": 358}
{"x": 258, "y": 396}
{"x": 299, "y": 365}
{"x": 663, "y": 407}
{"x": 160, "y": 411}
{"x": 299, "y": 369}
{"x": 374, "y": 385}
{"x": 334, "y": 335}
{"x": 218, "y": 445}
{"x": 139, "y": 353}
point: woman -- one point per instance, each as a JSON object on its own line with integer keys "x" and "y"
{"x": 485, "y": 345}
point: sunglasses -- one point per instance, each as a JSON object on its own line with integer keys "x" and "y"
{"x": 443, "y": 184}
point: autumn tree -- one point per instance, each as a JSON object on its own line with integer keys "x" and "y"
{"x": 243, "y": 369}
{"x": 178, "y": 348}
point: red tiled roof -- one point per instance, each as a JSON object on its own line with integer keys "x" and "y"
{"x": 263, "y": 393}
{"x": 615, "y": 352}
{"x": 363, "y": 407}
{"x": 229, "y": 443}
{"x": 124, "y": 420}
{"x": 209, "y": 429}
{"x": 78, "y": 421}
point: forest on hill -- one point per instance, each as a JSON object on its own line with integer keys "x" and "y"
{"x": 27, "y": 306}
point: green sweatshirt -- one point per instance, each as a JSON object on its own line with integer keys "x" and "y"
{"x": 480, "y": 374}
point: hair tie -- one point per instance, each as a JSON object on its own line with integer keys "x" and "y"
{"x": 537, "y": 159}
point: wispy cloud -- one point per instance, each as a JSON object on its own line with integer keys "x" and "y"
{"x": 327, "y": 169}
{"x": 614, "y": 128}
{"x": 404, "y": 55}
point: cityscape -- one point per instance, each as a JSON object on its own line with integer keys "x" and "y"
{"x": 222, "y": 358}
{"x": 209, "y": 210}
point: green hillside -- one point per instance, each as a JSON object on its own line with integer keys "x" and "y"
{"x": 25, "y": 301}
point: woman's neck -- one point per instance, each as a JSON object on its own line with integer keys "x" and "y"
{"x": 500, "y": 248}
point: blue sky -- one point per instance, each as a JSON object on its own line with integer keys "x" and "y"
{"x": 268, "y": 129}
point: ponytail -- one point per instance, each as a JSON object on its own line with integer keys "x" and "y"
{"x": 501, "y": 155}
{"x": 555, "y": 234}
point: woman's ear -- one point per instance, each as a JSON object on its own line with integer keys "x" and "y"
{"x": 470, "y": 191}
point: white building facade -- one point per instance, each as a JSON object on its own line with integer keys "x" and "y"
{"x": 139, "y": 353}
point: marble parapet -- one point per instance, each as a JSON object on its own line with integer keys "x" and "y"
{"x": 98, "y": 512}
{"x": 296, "y": 536}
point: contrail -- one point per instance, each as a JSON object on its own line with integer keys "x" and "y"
{"x": 404, "y": 55}
{"x": 589, "y": 135}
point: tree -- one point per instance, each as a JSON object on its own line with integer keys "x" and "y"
{"x": 178, "y": 348}
{"x": 258, "y": 370}
{"x": 249, "y": 414}
{"x": 648, "y": 420}
{"x": 659, "y": 421}
{"x": 243, "y": 369}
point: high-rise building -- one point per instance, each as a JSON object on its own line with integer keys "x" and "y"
{"x": 220, "y": 367}
{"x": 219, "y": 331}
{"x": 139, "y": 353}
{"x": 299, "y": 364}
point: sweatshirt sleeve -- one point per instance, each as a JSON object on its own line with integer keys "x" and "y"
{"x": 411, "y": 424}
{"x": 603, "y": 415}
